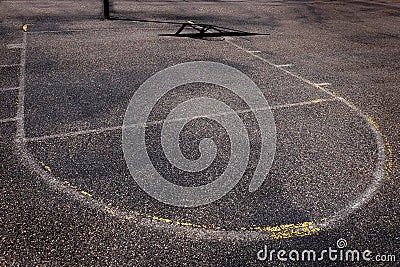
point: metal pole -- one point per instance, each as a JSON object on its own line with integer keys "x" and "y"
{"x": 106, "y": 5}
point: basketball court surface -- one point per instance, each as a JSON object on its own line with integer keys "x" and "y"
{"x": 323, "y": 144}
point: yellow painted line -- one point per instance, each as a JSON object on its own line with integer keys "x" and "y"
{"x": 310, "y": 102}
{"x": 161, "y": 219}
{"x": 288, "y": 230}
{"x": 283, "y": 231}
{"x": 110, "y": 210}
{"x": 85, "y": 193}
{"x": 74, "y": 187}
{"x": 277, "y": 232}
{"x": 47, "y": 168}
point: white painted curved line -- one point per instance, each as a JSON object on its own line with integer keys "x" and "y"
{"x": 379, "y": 173}
{"x": 227, "y": 235}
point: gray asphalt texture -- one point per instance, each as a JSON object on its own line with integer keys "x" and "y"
{"x": 81, "y": 71}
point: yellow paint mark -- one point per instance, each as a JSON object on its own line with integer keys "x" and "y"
{"x": 110, "y": 210}
{"x": 25, "y": 27}
{"x": 47, "y": 168}
{"x": 321, "y": 87}
{"x": 277, "y": 232}
{"x": 161, "y": 219}
{"x": 184, "y": 223}
{"x": 288, "y": 230}
{"x": 74, "y": 187}
{"x": 85, "y": 193}
{"x": 316, "y": 101}
{"x": 191, "y": 22}
{"x": 128, "y": 217}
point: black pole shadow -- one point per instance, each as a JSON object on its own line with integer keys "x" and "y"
{"x": 209, "y": 30}
{"x": 201, "y": 30}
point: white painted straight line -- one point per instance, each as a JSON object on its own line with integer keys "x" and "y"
{"x": 9, "y": 89}
{"x": 9, "y": 119}
{"x": 283, "y": 69}
{"x": 72, "y": 134}
{"x": 285, "y": 65}
{"x": 315, "y": 101}
{"x": 254, "y": 51}
{"x": 323, "y": 84}
{"x": 10, "y": 65}
{"x": 118, "y": 128}
{"x": 55, "y": 31}
{"x": 14, "y": 46}
{"x": 20, "y": 134}
{"x": 29, "y": 160}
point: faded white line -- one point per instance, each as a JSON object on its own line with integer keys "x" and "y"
{"x": 9, "y": 89}
{"x": 9, "y": 119}
{"x": 281, "y": 68}
{"x": 20, "y": 145}
{"x": 72, "y": 134}
{"x": 323, "y": 84}
{"x": 56, "y": 31}
{"x": 10, "y": 65}
{"x": 379, "y": 172}
{"x": 20, "y": 134}
{"x": 56, "y": 184}
{"x": 87, "y": 30}
{"x": 14, "y": 46}
{"x": 305, "y": 103}
{"x": 285, "y": 65}
{"x": 118, "y": 128}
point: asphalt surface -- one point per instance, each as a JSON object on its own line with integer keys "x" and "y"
{"x": 329, "y": 70}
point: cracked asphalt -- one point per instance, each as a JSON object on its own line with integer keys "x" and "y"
{"x": 329, "y": 71}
